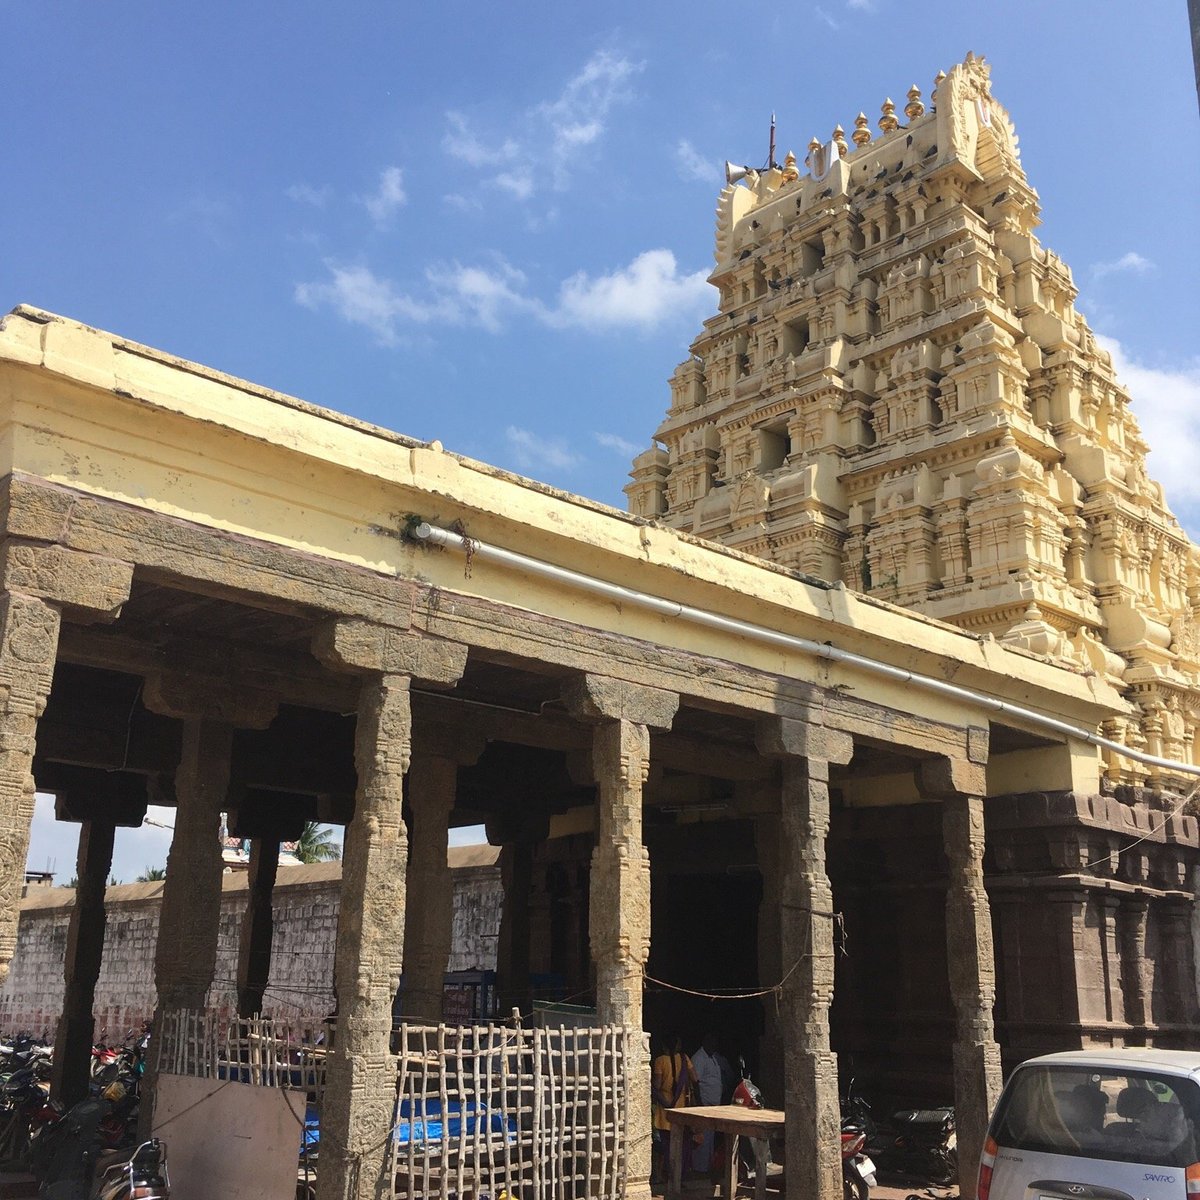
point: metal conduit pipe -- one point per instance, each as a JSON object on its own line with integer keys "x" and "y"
{"x": 435, "y": 535}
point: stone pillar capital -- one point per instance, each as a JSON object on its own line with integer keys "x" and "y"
{"x": 602, "y": 698}
{"x": 791, "y": 737}
{"x": 92, "y": 585}
{"x": 450, "y": 742}
{"x": 218, "y": 698}
{"x": 942, "y": 777}
{"x": 352, "y": 644}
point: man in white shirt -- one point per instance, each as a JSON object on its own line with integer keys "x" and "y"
{"x": 711, "y": 1069}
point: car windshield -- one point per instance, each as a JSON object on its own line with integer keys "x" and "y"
{"x": 1098, "y": 1112}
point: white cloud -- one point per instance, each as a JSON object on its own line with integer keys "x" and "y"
{"x": 1166, "y": 402}
{"x": 305, "y": 193}
{"x": 531, "y": 452}
{"x": 461, "y": 143}
{"x": 577, "y": 118}
{"x": 477, "y": 295}
{"x": 454, "y": 295}
{"x": 827, "y": 17}
{"x": 359, "y": 296}
{"x": 644, "y": 294}
{"x": 518, "y": 183}
{"x": 388, "y": 196}
{"x": 693, "y": 165}
{"x": 861, "y": 5}
{"x": 550, "y": 136}
{"x": 611, "y": 441}
{"x": 1131, "y": 263}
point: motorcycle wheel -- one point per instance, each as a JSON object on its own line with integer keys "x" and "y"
{"x": 947, "y": 1166}
{"x": 854, "y": 1189}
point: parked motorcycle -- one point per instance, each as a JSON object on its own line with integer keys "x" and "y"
{"x": 25, "y": 1108}
{"x": 920, "y": 1143}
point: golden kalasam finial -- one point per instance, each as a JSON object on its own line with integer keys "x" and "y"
{"x": 790, "y": 174}
{"x": 914, "y": 108}
{"x": 888, "y": 121}
{"x": 814, "y": 147}
{"x": 862, "y": 134}
{"x": 839, "y": 138}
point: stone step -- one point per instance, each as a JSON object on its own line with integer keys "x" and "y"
{"x": 18, "y": 1187}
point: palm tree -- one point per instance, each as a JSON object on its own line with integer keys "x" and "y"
{"x": 316, "y": 844}
{"x": 152, "y": 874}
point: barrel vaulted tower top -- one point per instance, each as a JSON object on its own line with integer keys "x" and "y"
{"x": 897, "y": 392}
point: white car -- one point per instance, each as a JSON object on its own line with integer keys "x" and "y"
{"x": 1096, "y": 1125}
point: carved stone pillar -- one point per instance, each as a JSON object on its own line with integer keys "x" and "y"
{"x": 185, "y": 959}
{"x": 1133, "y": 915}
{"x": 81, "y": 966}
{"x": 429, "y": 907}
{"x": 28, "y": 644}
{"x": 619, "y": 903}
{"x": 811, "y": 1105}
{"x": 186, "y": 954}
{"x": 960, "y": 785}
{"x": 767, "y": 839}
{"x": 258, "y": 926}
{"x": 513, "y": 944}
{"x": 37, "y": 580}
{"x": 360, "y": 1090}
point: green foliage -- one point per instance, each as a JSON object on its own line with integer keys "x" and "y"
{"x": 151, "y": 874}
{"x": 316, "y": 844}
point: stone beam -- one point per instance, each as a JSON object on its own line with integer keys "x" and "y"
{"x": 213, "y": 562}
{"x": 495, "y": 629}
{"x": 293, "y": 678}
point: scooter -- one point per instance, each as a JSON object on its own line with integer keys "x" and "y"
{"x": 858, "y": 1171}
{"x": 143, "y": 1176}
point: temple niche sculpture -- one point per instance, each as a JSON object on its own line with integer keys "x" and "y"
{"x": 898, "y": 393}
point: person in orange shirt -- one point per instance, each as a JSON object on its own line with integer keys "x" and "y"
{"x": 673, "y": 1085}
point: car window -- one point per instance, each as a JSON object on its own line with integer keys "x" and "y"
{"x": 1127, "y": 1116}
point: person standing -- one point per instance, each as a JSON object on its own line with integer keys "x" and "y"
{"x": 711, "y": 1069}
{"x": 673, "y": 1083}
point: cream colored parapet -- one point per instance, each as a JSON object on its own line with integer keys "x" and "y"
{"x": 99, "y": 415}
{"x": 898, "y": 393}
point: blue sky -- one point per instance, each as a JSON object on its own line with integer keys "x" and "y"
{"x": 491, "y": 224}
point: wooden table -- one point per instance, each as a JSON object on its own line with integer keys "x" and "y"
{"x": 757, "y": 1124}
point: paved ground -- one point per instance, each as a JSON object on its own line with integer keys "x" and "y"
{"x": 698, "y": 1189}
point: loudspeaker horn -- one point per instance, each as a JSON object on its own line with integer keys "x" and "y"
{"x": 734, "y": 172}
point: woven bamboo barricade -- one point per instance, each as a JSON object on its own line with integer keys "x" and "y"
{"x": 260, "y": 1051}
{"x": 482, "y": 1110}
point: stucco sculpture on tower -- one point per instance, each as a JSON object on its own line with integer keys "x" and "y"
{"x": 897, "y": 392}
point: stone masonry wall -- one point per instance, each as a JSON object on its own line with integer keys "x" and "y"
{"x": 301, "y": 982}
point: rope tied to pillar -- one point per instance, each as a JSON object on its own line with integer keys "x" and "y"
{"x": 776, "y": 989}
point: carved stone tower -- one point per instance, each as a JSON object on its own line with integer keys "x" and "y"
{"x": 898, "y": 393}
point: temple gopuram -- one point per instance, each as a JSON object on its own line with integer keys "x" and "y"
{"x": 898, "y": 393}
